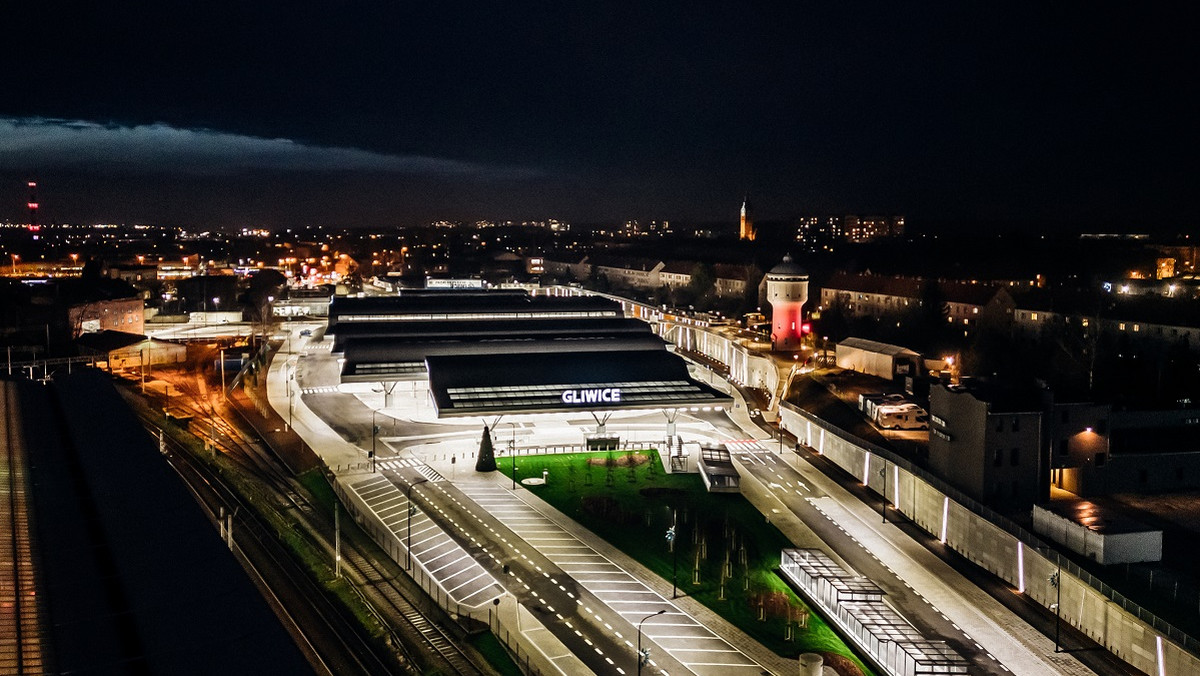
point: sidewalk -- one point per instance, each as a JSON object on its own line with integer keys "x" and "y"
{"x": 335, "y": 451}
{"x": 1002, "y": 633}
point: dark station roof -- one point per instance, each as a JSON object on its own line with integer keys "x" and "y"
{"x": 135, "y": 577}
{"x": 451, "y": 305}
{"x": 464, "y": 329}
{"x": 540, "y": 382}
{"x": 374, "y": 359}
{"x": 446, "y": 293}
{"x": 108, "y": 340}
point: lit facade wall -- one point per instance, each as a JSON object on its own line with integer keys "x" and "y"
{"x": 117, "y": 315}
{"x": 787, "y": 295}
{"x": 1017, "y": 559}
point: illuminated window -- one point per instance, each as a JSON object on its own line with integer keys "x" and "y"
{"x": 1033, "y": 316}
{"x": 1121, "y": 326}
{"x": 1136, "y": 328}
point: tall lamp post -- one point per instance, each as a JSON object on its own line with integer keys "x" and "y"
{"x": 1055, "y": 581}
{"x": 643, "y": 656}
{"x": 671, "y": 533}
{"x": 884, "y": 504}
{"x": 290, "y": 375}
{"x": 374, "y": 436}
{"x": 411, "y": 509}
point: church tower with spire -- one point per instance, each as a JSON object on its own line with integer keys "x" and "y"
{"x": 746, "y": 229}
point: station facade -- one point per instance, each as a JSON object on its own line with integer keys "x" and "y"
{"x": 492, "y": 353}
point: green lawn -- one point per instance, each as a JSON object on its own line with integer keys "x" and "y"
{"x": 632, "y": 506}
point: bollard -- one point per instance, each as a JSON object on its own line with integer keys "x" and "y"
{"x": 811, "y": 664}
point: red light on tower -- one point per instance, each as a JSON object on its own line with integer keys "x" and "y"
{"x": 33, "y": 206}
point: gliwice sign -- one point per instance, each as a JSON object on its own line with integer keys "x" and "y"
{"x": 606, "y": 395}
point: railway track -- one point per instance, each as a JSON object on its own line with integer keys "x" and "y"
{"x": 340, "y": 649}
{"x": 20, "y": 635}
{"x": 422, "y": 640}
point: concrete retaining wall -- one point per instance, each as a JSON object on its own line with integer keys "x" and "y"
{"x": 745, "y": 367}
{"x": 1026, "y": 565}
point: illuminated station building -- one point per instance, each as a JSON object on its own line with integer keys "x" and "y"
{"x": 485, "y": 353}
{"x": 787, "y": 291}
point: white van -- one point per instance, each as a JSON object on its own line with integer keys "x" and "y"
{"x": 903, "y": 417}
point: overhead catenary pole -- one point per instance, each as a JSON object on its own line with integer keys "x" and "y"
{"x": 337, "y": 540}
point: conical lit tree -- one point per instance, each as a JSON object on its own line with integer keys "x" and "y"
{"x": 487, "y": 457}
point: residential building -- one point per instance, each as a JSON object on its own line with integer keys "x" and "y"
{"x": 986, "y": 442}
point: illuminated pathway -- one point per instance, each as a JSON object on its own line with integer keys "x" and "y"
{"x": 676, "y": 632}
{"x": 921, "y": 587}
{"x": 585, "y": 600}
{"x": 455, "y": 571}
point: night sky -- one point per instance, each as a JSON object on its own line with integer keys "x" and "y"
{"x": 1044, "y": 116}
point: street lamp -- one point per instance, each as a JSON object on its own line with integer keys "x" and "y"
{"x": 374, "y": 436}
{"x": 289, "y": 375}
{"x": 1055, "y": 581}
{"x": 883, "y": 505}
{"x": 411, "y": 510}
{"x": 643, "y": 656}
{"x": 671, "y": 534}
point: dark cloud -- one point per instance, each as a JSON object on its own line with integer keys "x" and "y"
{"x": 1043, "y": 114}
{"x": 81, "y": 145}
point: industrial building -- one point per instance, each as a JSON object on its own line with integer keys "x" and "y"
{"x": 890, "y": 362}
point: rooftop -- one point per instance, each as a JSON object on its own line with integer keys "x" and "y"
{"x": 1097, "y": 517}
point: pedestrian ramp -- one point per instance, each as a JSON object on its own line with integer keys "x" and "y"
{"x": 680, "y": 635}
{"x": 396, "y": 524}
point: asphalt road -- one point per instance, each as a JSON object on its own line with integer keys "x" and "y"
{"x": 804, "y": 499}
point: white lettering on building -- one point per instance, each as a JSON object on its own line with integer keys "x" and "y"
{"x": 608, "y": 395}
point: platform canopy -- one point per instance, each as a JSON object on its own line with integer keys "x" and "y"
{"x": 560, "y": 382}
{"x": 476, "y": 329}
{"x": 385, "y": 359}
{"x": 473, "y": 306}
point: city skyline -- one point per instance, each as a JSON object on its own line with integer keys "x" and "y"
{"x": 1030, "y": 117}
